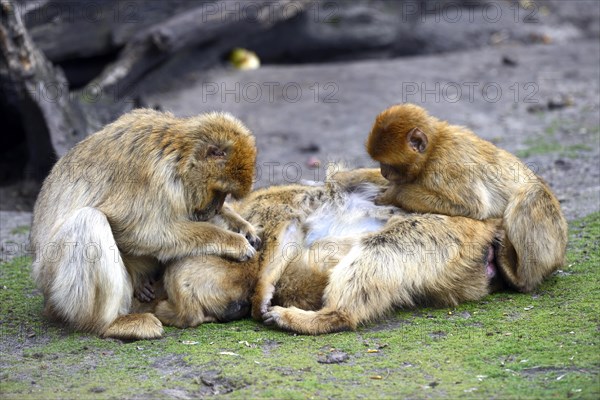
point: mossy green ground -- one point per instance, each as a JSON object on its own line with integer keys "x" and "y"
{"x": 510, "y": 345}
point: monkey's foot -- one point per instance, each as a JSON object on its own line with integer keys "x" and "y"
{"x": 135, "y": 326}
{"x": 275, "y": 316}
{"x": 262, "y": 301}
{"x": 308, "y": 322}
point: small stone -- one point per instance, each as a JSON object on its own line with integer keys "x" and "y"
{"x": 334, "y": 357}
{"x": 509, "y": 61}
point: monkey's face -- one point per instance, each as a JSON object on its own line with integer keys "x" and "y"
{"x": 223, "y": 287}
{"x": 228, "y": 306}
{"x": 400, "y": 174}
{"x": 399, "y": 142}
{"x": 221, "y": 163}
{"x": 217, "y": 199}
{"x": 390, "y": 173}
{"x": 229, "y": 153}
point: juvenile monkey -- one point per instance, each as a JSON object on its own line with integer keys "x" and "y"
{"x": 139, "y": 193}
{"x": 435, "y": 167}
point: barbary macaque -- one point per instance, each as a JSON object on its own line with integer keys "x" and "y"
{"x": 155, "y": 194}
{"x": 333, "y": 260}
{"x": 435, "y": 167}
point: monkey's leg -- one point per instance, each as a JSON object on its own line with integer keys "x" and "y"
{"x": 171, "y": 313}
{"x": 325, "y": 320}
{"x": 135, "y": 326}
{"x": 277, "y": 257}
{"x": 347, "y": 300}
{"x": 90, "y": 287}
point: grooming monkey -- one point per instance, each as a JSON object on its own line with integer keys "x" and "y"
{"x": 147, "y": 189}
{"x": 332, "y": 260}
{"x": 435, "y": 167}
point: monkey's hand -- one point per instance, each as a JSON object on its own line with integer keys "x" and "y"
{"x": 236, "y": 223}
{"x": 249, "y": 232}
{"x": 144, "y": 290}
{"x": 387, "y": 198}
{"x": 237, "y": 247}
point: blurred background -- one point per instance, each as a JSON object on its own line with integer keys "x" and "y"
{"x": 308, "y": 78}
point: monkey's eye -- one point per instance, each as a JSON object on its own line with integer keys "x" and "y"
{"x": 214, "y": 151}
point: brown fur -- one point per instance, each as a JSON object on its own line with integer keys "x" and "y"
{"x": 145, "y": 190}
{"x": 441, "y": 168}
{"x": 337, "y": 282}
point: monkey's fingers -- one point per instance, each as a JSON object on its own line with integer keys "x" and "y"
{"x": 141, "y": 297}
{"x": 250, "y": 251}
{"x": 272, "y": 317}
{"x": 145, "y": 293}
{"x": 254, "y": 240}
{"x": 238, "y": 249}
{"x": 381, "y": 200}
{"x": 263, "y": 307}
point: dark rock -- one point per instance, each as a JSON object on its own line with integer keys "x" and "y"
{"x": 509, "y": 61}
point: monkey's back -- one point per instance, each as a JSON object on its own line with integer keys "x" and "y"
{"x": 112, "y": 164}
{"x": 478, "y": 170}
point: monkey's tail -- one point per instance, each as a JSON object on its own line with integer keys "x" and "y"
{"x": 87, "y": 283}
{"x": 535, "y": 237}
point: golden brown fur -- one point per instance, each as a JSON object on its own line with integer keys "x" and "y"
{"x": 363, "y": 260}
{"x": 147, "y": 189}
{"x": 440, "y": 168}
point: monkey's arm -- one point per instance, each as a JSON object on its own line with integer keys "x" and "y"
{"x": 354, "y": 178}
{"x": 416, "y": 198}
{"x": 275, "y": 260}
{"x": 188, "y": 238}
{"x": 236, "y": 223}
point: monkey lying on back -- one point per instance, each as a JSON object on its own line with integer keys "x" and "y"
{"x": 332, "y": 260}
{"x": 435, "y": 167}
{"x": 143, "y": 191}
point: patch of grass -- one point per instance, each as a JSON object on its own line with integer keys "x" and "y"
{"x": 510, "y": 345}
{"x": 19, "y": 230}
{"x": 547, "y": 143}
{"x": 542, "y": 145}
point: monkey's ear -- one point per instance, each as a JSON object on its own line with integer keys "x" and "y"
{"x": 417, "y": 140}
{"x": 215, "y": 152}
